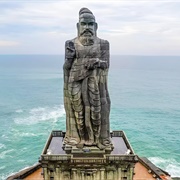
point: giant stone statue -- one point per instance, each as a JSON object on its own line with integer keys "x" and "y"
{"x": 86, "y": 97}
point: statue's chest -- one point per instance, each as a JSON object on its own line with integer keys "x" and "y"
{"x": 88, "y": 51}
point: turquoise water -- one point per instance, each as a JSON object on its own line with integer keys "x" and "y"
{"x": 145, "y": 96}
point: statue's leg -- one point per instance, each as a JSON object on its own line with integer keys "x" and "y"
{"x": 95, "y": 103}
{"x": 105, "y": 109}
{"x": 90, "y": 137}
{"x": 76, "y": 100}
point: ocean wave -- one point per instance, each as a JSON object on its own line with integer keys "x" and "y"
{"x": 23, "y": 134}
{"x": 169, "y": 165}
{"x": 40, "y": 114}
{"x": 19, "y": 111}
{"x": 2, "y": 146}
{"x": 20, "y": 160}
{"x": 2, "y": 167}
{"x": 5, "y": 153}
{"x": 4, "y": 176}
{"x": 13, "y": 173}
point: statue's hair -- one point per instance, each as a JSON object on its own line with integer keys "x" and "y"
{"x": 85, "y": 11}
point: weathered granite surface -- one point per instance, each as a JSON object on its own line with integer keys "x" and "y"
{"x": 69, "y": 162}
{"x": 86, "y": 96}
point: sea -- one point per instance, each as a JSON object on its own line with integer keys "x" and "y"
{"x": 145, "y": 104}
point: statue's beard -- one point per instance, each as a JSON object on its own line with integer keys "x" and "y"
{"x": 86, "y": 37}
{"x": 86, "y": 41}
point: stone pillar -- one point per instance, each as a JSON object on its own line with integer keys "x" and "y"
{"x": 98, "y": 175}
{"x": 91, "y": 176}
{"x": 102, "y": 174}
{"x": 46, "y": 175}
{"x": 57, "y": 174}
{"x": 49, "y": 173}
{"x": 74, "y": 173}
{"x": 115, "y": 174}
{"x": 110, "y": 175}
{"x": 131, "y": 171}
{"x": 60, "y": 174}
{"x": 119, "y": 173}
{"x": 78, "y": 175}
{"x": 82, "y": 175}
{"x": 94, "y": 176}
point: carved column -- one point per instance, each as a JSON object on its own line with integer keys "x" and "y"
{"x": 110, "y": 175}
{"x": 102, "y": 173}
{"x": 60, "y": 174}
{"x": 46, "y": 175}
{"x": 115, "y": 174}
{"x": 131, "y": 171}
{"x": 49, "y": 173}
{"x": 94, "y": 176}
{"x": 57, "y": 174}
{"x": 82, "y": 175}
{"x": 119, "y": 173}
{"x": 74, "y": 173}
{"x": 98, "y": 175}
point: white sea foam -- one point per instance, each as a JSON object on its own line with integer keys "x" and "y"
{"x": 2, "y": 146}
{"x": 2, "y": 167}
{"x": 5, "y": 153}
{"x": 26, "y": 134}
{"x": 39, "y": 114}
{"x": 11, "y": 173}
{"x": 20, "y": 160}
{"x": 4, "y": 176}
{"x": 8, "y": 174}
{"x": 169, "y": 165}
{"x": 26, "y": 167}
{"x": 19, "y": 111}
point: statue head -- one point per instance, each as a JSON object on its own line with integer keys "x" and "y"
{"x": 86, "y": 26}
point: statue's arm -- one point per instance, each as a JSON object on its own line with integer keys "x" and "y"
{"x": 104, "y": 61}
{"x": 69, "y": 54}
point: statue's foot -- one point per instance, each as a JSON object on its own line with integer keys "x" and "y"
{"x": 89, "y": 143}
{"x": 107, "y": 142}
{"x": 80, "y": 145}
{"x": 100, "y": 146}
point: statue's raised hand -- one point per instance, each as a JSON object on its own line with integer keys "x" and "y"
{"x": 70, "y": 51}
{"x": 92, "y": 63}
{"x": 70, "y": 54}
{"x": 103, "y": 64}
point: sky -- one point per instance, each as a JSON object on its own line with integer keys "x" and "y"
{"x": 146, "y": 27}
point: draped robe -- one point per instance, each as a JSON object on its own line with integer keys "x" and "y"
{"x": 86, "y": 97}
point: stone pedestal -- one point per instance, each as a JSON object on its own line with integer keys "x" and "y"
{"x": 90, "y": 163}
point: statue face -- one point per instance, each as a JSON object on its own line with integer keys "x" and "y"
{"x": 87, "y": 27}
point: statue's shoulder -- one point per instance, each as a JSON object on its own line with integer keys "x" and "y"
{"x": 104, "y": 43}
{"x": 70, "y": 41}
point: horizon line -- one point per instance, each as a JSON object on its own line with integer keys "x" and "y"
{"x": 64, "y": 54}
